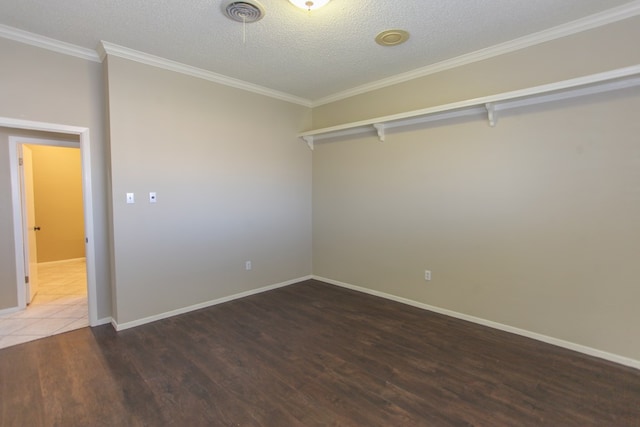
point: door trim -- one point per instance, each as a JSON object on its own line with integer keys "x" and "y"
{"x": 85, "y": 155}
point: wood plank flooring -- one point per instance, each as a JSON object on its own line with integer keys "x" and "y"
{"x": 310, "y": 354}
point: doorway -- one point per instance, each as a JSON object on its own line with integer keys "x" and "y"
{"x": 79, "y": 137}
{"x": 52, "y": 220}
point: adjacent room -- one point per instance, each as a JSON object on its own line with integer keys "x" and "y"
{"x": 283, "y": 212}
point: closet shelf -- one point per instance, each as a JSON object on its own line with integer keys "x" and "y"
{"x": 489, "y": 105}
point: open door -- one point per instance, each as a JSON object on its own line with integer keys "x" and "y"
{"x": 29, "y": 225}
{"x": 20, "y": 230}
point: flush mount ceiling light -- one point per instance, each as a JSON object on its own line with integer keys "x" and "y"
{"x": 308, "y": 4}
{"x": 392, "y": 37}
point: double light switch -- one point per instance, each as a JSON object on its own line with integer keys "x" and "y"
{"x": 131, "y": 198}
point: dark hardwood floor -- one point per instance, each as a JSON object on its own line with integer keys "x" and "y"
{"x": 310, "y": 354}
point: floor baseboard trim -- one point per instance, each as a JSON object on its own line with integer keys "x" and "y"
{"x": 9, "y": 310}
{"x": 622, "y": 360}
{"x": 139, "y": 322}
{"x": 60, "y": 261}
{"x": 103, "y": 321}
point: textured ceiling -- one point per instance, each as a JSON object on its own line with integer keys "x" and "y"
{"x": 307, "y": 55}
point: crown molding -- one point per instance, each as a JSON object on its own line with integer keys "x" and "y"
{"x": 593, "y": 21}
{"x": 106, "y": 48}
{"x": 48, "y": 43}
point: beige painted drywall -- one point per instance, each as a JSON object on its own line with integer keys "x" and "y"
{"x": 233, "y": 184}
{"x": 57, "y": 176}
{"x": 534, "y": 223}
{"x": 40, "y": 85}
{"x": 529, "y": 224}
{"x": 597, "y": 50}
{"x": 8, "y": 289}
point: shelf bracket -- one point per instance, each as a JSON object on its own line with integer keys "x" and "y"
{"x": 309, "y": 140}
{"x": 380, "y": 129}
{"x": 491, "y": 113}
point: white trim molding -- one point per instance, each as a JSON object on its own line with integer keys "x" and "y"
{"x": 103, "y": 321}
{"x": 48, "y": 43}
{"x": 87, "y": 193}
{"x": 61, "y": 261}
{"x": 626, "y": 361}
{"x": 106, "y": 48}
{"x": 160, "y": 316}
{"x": 610, "y": 16}
{"x": 621, "y": 78}
{"x": 9, "y": 310}
{"x": 620, "y": 13}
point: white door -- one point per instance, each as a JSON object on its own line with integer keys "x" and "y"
{"x": 30, "y": 227}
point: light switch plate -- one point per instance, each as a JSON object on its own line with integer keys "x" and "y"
{"x": 152, "y": 197}
{"x": 131, "y": 198}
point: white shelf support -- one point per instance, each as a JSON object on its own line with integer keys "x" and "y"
{"x": 309, "y": 140}
{"x": 380, "y": 128}
{"x": 491, "y": 114}
{"x": 618, "y": 79}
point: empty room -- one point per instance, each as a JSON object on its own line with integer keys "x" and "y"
{"x": 336, "y": 212}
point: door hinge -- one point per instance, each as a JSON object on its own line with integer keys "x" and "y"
{"x": 20, "y": 161}
{"x": 26, "y": 279}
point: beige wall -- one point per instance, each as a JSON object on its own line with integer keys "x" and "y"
{"x": 57, "y": 176}
{"x": 601, "y": 49}
{"x": 39, "y": 85}
{"x": 233, "y": 184}
{"x": 533, "y": 223}
{"x": 8, "y": 286}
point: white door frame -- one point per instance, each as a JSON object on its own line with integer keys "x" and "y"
{"x": 85, "y": 154}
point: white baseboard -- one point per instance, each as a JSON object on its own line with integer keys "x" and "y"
{"x": 103, "y": 321}
{"x": 9, "y": 310}
{"x": 533, "y": 335}
{"x": 133, "y": 323}
{"x": 60, "y": 261}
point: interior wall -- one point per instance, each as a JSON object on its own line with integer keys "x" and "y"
{"x": 233, "y": 184}
{"x": 532, "y": 224}
{"x": 600, "y": 49}
{"x": 8, "y": 286}
{"x": 57, "y": 175}
{"x": 44, "y": 86}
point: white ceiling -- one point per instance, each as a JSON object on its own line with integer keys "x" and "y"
{"x": 312, "y": 56}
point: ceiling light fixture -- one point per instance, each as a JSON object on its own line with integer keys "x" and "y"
{"x": 308, "y": 4}
{"x": 392, "y": 37}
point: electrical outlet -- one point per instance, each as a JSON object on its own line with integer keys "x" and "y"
{"x": 247, "y": 265}
{"x": 427, "y": 275}
{"x": 131, "y": 198}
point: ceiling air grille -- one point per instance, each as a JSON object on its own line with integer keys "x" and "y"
{"x": 244, "y": 11}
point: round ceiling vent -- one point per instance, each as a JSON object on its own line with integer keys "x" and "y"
{"x": 392, "y": 37}
{"x": 243, "y": 11}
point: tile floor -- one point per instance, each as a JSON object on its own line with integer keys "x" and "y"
{"x": 59, "y": 306}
